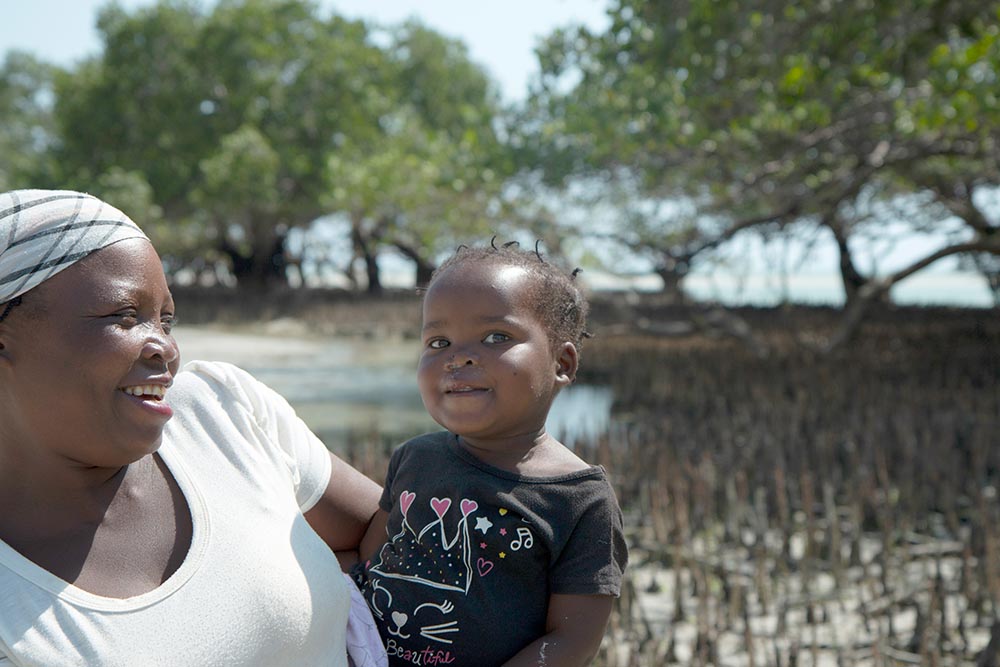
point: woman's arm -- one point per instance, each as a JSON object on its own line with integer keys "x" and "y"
{"x": 342, "y": 514}
{"x": 575, "y": 626}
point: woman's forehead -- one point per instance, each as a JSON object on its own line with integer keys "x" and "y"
{"x": 118, "y": 271}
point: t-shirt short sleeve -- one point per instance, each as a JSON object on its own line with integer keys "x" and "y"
{"x": 305, "y": 457}
{"x": 593, "y": 560}
{"x": 388, "y": 499}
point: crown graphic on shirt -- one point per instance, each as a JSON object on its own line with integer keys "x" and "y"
{"x": 429, "y": 556}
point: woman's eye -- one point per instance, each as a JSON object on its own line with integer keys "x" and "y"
{"x": 167, "y": 323}
{"x": 126, "y": 318}
{"x": 496, "y": 338}
{"x": 438, "y": 344}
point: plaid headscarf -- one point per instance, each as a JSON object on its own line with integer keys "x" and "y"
{"x": 43, "y": 232}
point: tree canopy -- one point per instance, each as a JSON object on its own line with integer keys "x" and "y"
{"x": 236, "y": 118}
{"x": 766, "y": 114}
{"x": 25, "y": 119}
{"x": 227, "y": 126}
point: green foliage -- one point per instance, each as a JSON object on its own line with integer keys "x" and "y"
{"x": 242, "y": 176}
{"x": 429, "y": 180}
{"x": 770, "y": 112}
{"x": 247, "y": 119}
{"x": 229, "y": 114}
{"x": 25, "y": 121}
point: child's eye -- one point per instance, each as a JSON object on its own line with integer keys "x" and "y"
{"x": 438, "y": 344}
{"x": 496, "y": 338}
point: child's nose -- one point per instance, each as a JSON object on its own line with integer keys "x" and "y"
{"x": 460, "y": 359}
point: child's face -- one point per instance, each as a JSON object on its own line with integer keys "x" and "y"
{"x": 488, "y": 370}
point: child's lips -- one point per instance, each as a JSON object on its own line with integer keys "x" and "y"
{"x": 462, "y": 388}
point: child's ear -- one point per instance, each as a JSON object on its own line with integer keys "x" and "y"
{"x": 567, "y": 361}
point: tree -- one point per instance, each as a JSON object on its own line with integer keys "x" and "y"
{"x": 197, "y": 101}
{"x": 431, "y": 179}
{"x": 25, "y": 121}
{"x": 766, "y": 114}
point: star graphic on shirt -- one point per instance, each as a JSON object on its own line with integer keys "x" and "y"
{"x": 503, "y": 554}
{"x": 483, "y": 524}
{"x": 482, "y": 545}
{"x": 503, "y": 531}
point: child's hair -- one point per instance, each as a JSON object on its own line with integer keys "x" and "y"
{"x": 554, "y": 295}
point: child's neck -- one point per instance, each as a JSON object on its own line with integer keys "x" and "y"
{"x": 540, "y": 456}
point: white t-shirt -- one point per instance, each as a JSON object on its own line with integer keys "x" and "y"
{"x": 257, "y": 587}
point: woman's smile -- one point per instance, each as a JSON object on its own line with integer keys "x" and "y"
{"x": 149, "y": 397}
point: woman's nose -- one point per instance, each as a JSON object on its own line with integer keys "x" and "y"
{"x": 161, "y": 345}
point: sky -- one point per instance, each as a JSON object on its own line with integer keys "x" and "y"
{"x": 501, "y": 36}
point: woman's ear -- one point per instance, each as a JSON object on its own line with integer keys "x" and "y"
{"x": 6, "y": 338}
{"x": 567, "y": 362}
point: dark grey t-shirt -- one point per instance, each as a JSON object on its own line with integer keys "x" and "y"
{"x": 474, "y": 552}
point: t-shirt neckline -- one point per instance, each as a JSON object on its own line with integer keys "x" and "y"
{"x": 456, "y": 447}
{"x": 64, "y": 590}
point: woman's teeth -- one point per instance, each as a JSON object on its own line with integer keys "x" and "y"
{"x": 156, "y": 391}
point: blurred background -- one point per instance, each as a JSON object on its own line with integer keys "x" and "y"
{"x": 787, "y": 214}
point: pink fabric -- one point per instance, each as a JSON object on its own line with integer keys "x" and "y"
{"x": 364, "y": 645}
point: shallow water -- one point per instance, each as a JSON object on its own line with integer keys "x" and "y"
{"x": 345, "y": 386}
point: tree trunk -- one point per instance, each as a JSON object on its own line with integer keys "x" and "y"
{"x": 365, "y": 248}
{"x": 263, "y": 267}
{"x": 850, "y": 277}
{"x": 989, "y": 267}
{"x": 672, "y": 272}
{"x": 423, "y": 267}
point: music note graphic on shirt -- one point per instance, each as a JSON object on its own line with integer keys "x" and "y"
{"x": 524, "y": 539}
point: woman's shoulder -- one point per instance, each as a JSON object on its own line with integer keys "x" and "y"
{"x": 211, "y": 372}
{"x": 224, "y": 382}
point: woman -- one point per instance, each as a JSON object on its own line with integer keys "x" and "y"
{"x": 150, "y": 516}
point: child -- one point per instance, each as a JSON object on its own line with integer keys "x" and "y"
{"x": 504, "y": 547}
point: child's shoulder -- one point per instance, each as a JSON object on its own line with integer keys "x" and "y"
{"x": 551, "y": 459}
{"x": 431, "y": 439}
{"x": 557, "y": 459}
{"x": 423, "y": 444}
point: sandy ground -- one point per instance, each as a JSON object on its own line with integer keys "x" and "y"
{"x": 853, "y": 622}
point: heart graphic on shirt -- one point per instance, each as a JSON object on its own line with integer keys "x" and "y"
{"x": 469, "y": 506}
{"x": 440, "y": 506}
{"x": 503, "y": 511}
{"x": 400, "y": 619}
{"x": 405, "y": 500}
{"x": 484, "y": 566}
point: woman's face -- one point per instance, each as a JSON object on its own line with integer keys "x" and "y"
{"x": 89, "y": 358}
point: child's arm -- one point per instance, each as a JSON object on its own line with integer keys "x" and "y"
{"x": 371, "y": 541}
{"x": 574, "y": 629}
{"x": 375, "y": 536}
